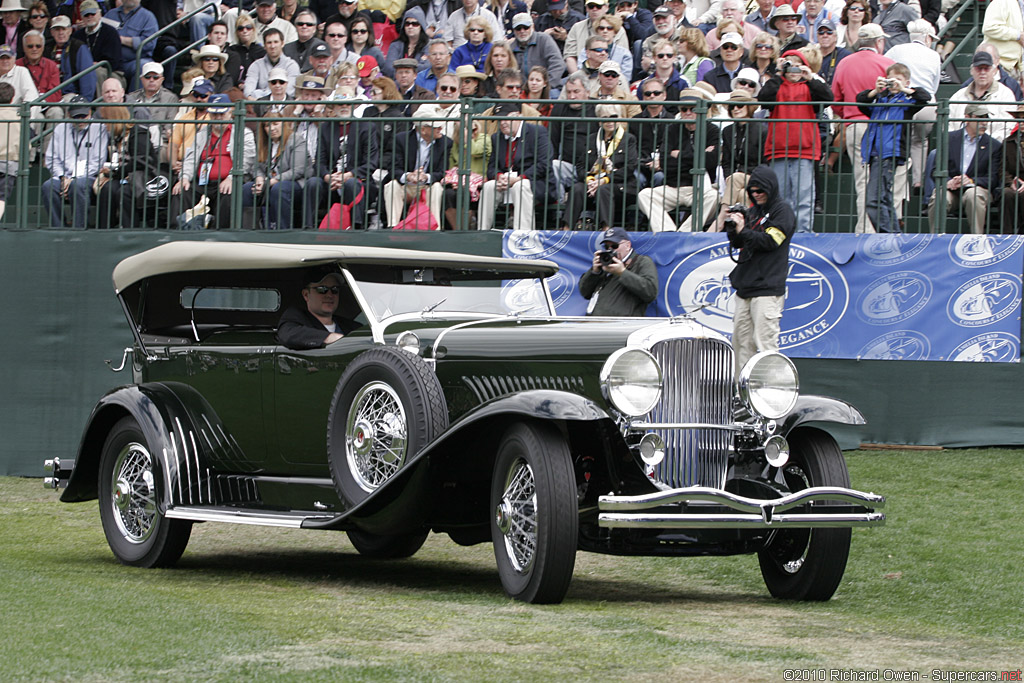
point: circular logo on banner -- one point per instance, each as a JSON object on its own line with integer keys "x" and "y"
{"x": 984, "y": 300}
{"x": 535, "y": 244}
{"x": 817, "y": 294}
{"x": 892, "y": 249}
{"x": 975, "y": 251}
{"x": 992, "y": 347}
{"x": 899, "y": 345}
{"x": 894, "y": 297}
{"x": 525, "y": 297}
{"x": 561, "y": 285}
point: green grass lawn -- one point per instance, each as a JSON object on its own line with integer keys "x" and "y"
{"x": 939, "y": 587}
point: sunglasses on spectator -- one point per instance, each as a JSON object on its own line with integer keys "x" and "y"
{"x": 745, "y": 83}
{"x": 412, "y": 23}
{"x": 358, "y": 30}
{"x": 605, "y": 28}
{"x": 663, "y": 55}
{"x": 757, "y": 190}
{"x": 764, "y": 47}
{"x": 447, "y": 88}
{"x": 200, "y": 97}
{"x": 40, "y": 16}
{"x": 609, "y": 74}
{"x": 247, "y": 27}
{"x": 730, "y": 46}
{"x": 152, "y": 77}
{"x": 738, "y": 105}
{"x": 278, "y": 80}
{"x": 854, "y": 9}
{"x": 653, "y": 93}
{"x": 34, "y": 46}
{"x": 304, "y": 23}
{"x": 598, "y": 49}
{"x": 323, "y": 289}
{"x": 825, "y": 29}
{"x": 211, "y": 59}
{"x": 474, "y": 29}
{"x": 335, "y": 35}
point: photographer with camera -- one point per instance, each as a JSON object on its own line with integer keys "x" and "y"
{"x": 620, "y": 281}
{"x": 762, "y": 234}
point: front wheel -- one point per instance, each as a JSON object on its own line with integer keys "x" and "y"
{"x": 129, "y": 493}
{"x": 535, "y": 521}
{"x": 808, "y": 564}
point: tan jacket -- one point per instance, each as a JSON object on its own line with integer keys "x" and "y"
{"x": 10, "y": 140}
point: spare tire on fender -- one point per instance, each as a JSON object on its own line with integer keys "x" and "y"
{"x": 388, "y": 405}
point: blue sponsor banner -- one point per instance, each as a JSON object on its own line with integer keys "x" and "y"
{"x": 878, "y": 297}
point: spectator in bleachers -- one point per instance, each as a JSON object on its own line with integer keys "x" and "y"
{"x": 893, "y": 16}
{"x": 281, "y": 165}
{"x": 470, "y": 81}
{"x": 449, "y": 107}
{"x": 519, "y": 169}
{"x": 434, "y": 22}
{"x": 319, "y": 62}
{"x": 247, "y": 49}
{"x": 693, "y": 61}
{"x": 207, "y": 166}
{"x": 606, "y": 27}
{"x": 478, "y": 152}
{"x": 925, "y": 70}
{"x": 1003, "y": 26}
{"x": 256, "y": 79}
{"x": 812, "y": 14}
{"x": 457, "y": 20}
{"x": 649, "y": 126}
{"x": 610, "y": 88}
{"x": 405, "y": 80}
{"x": 73, "y": 57}
{"x": 597, "y": 55}
{"x": 347, "y": 156}
{"x": 1012, "y": 207}
{"x": 557, "y": 22}
{"x": 19, "y": 78}
{"x": 77, "y": 151}
{"x": 610, "y": 171}
{"x": 266, "y": 19}
{"x": 102, "y": 39}
{"x": 306, "y": 40}
{"x": 676, "y": 158}
{"x": 570, "y": 139}
{"x": 361, "y": 40}
{"x": 974, "y": 160}
{"x": 664, "y": 28}
{"x": 136, "y": 24}
{"x": 439, "y": 54}
{"x": 831, "y": 53}
{"x": 153, "y": 92}
{"x": 532, "y": 48}
{"x": 411, "y": 42}
{"x": 665, "y": 71}
{"x": 500, "y": 58}
{"x": 188, "y": 119}
{"x": 732, "y": 61}
{"x": 10, "y": 144}
{"x": 12, "y": 23}
{"x": 44, "y": 72}
{"x": 793, "y": 141}
{"x": 637, "y": 22}
{"x": 347, "y": 10}
{"x": 576, "y": 40}
{"x": 679, "y": 16}
{"x": 538, "y": 87}
{"x": 478, "y": 44}
{"x": 368, "y": 69}
{"x": 761, "y": 17}
{"x": 742, "y": 147}
{"x": 213, "y": 62}
{"x": 985, "y": 88}
{"x": 785, "y": 22}
{"x": 131, "y": 162}
{"x": 309, "y": 89}
{"x": 274, "y": 101}
{"x": 336, "y": 36}
{"x": 169, "y": 41}
{"x": 854, "y": 15}
{"x": 733, "y": 9}
{"x": 860, "y": 71}
{"x": 1004, "y": 76}
{"x": 38, "y": 19}
{"x": 505, "y": 11}
{"x": 887, "y": 145}
{"x": 418, "y": 164}
{"x": 763, "y": 55}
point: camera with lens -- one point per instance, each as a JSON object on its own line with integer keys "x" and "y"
{"x": 730, "y": 223}
{"x": 606, "y": 256}
{"x": 792, "y": 69}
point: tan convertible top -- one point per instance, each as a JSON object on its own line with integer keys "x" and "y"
{"x": 190, "y": 256}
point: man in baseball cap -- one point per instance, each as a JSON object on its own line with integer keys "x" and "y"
{"x": 620, "y": 282}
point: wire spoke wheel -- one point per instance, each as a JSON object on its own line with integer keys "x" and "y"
{"x": 517, "y": 516}
{"x": 133, "y": 496}
{"x": 376, "y": 435}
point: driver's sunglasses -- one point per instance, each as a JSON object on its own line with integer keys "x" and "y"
{"x": 323, "y": 289}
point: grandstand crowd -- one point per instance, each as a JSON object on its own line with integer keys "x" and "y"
{"x": 474, "y": 114}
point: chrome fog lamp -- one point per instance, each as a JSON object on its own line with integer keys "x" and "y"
{"x": 776, "y": 451}
{"x": 631, "y": 380}
{"x": 408, "y": 342}
{"x": 652, "y": 449}
{"x": 769, "y": 385}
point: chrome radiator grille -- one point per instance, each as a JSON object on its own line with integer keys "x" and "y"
{"x": 698, "y": 386}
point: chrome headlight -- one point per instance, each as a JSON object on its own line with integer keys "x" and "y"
{"x": 631, "y": 379}
{"x": 408, "y": 342}
{"x": 769, "y": 385}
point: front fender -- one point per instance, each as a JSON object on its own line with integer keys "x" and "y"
{"x": 810, "y": 408}
{"x": 181, "y": 431}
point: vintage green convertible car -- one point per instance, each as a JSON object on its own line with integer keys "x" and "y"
{"x": 461, "y": 405}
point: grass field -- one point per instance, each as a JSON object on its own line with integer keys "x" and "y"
{"x": 938, "y": 588}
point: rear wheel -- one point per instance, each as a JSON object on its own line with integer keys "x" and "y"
{"x": 535, "y": 522}
{"x": 129, "y": 493}
{"x": 387, "y": 547}
{"x": 808, "y": 564}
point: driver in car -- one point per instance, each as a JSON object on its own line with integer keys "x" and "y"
{"x": 317, "y": 325}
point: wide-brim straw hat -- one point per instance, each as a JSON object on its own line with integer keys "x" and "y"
{"x": 12, "y": 6}
{"x": 467, "y": 71}
{"x": 781, "y": 13}
{"x": 208, "y": 51}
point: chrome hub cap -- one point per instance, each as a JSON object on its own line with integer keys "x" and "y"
{"x": 376, "y": 435}
{"x": 133, "y": 496}
{"x": 516, "y": 516}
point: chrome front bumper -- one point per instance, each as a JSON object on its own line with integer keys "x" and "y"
{"x": 682, "y": 509}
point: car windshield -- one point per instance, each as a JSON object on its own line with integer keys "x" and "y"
{"x": 435, "y": 294}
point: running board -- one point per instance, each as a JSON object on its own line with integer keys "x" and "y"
{"x": 290, "y": 520}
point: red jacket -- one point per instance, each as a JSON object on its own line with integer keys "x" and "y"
{"x": 46, "y": 75}
{"x": 789, "y": 139}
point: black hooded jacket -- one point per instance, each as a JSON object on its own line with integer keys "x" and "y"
{"x": 763, "y": 261}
